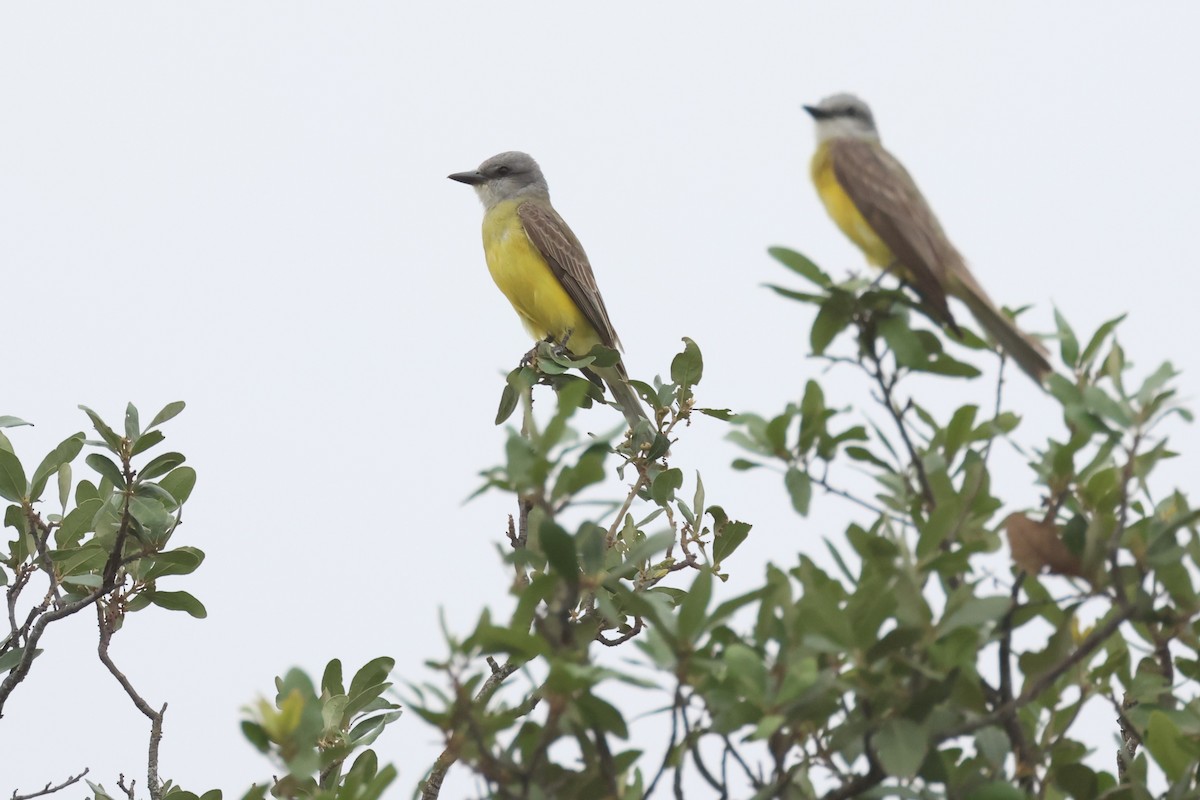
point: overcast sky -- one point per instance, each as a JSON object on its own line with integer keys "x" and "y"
{"x": 243, "y": 205}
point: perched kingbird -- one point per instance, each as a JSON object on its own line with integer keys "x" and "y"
{"x": 875, "y": 202}
{"x": 541, "y": 268}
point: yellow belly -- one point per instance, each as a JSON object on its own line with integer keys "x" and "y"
{"x": 527, "y": 281}
{"x": 844, "y": 213}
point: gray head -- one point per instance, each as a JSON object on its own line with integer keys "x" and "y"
{"x": 843, "y": 116}
{"x": 508, "y": 176}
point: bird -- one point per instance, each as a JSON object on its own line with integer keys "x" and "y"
{"x": 876, "y": 203}
{"x": 538, "y": 263}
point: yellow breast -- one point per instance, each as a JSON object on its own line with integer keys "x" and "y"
{"x": 844, "y": 213}
{"x": 523, "y": 275}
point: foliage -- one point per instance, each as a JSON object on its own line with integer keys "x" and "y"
{"x": 912, "y": 656}
{"x": 909, "y": 670}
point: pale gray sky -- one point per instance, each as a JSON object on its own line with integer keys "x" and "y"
{"x": 244, "y": 205}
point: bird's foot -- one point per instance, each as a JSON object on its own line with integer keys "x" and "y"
{"x": 560, "y": 348}
{"x": 530, "y": 358}
{"x": 883, "y": 273}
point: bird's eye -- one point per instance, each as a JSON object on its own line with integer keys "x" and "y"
{"x": 850, "y": 111}
{"x": 503, "y": 170}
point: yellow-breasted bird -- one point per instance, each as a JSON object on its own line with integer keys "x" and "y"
{"x": 541, "y": 267}
{"x": 877, "y": 204}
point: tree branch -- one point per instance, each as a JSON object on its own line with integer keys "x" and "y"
{"x": 432, "y": 785}
{"x": 107, "y": 626}
{"x": 885, "y": 386}
{"x": 1046, "y": 680}
{"x": 48, "y": 789}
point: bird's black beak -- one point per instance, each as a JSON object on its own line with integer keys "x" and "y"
{"x": 816, "y": 112}
{"x": 473, "y": 178}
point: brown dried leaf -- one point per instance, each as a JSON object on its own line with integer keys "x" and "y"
{"x": 1036, "y": 545}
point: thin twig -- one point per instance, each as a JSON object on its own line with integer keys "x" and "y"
{"x": 432, "y": 785}
{"x": 1088, "y": 646}
{"x": 107, "y": 622}
{"x": 886, "y": 386}
{"x": 1026, "y": 757}
{"x": 1114, "y": 543}
{"x": 858, "y": 784}
{"x": 611, "y": 537}
{"x": 48, "y": 789}
{"x": 633, "y": 631}
{"x": 18, "y": 673}
{"x": 824, "y": 483}
{"x": 694, "y": 749}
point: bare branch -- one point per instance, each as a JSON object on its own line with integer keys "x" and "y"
{"x": 107, "y": 626}
{"x": 1130, "y": 740}
{"x": 48, "y": 789}
{"x": 633, "y": 631}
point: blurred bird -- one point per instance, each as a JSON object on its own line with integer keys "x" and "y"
{"x": 541, "y": 267}
{"x": 877, "y": 204}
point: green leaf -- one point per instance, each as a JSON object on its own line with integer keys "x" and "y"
{"x": 801, "y": 265}
{"x": 901, "y": 745}
{"x": 146, "y": 441}
{"x": 180, "y": 483}
{"x": 13, "y": 486}
{"x": 588, "y": 470}
{"x": 13, "y": 657}
{"x": 799, "y": 487}
{"x": 996, "y": 790}
{"x": 107, "y": 469}
{"x": 1173, "y": 752}
{"x": 169, "y": 411}
{"x": 63, "y": 454}
{"x": 12, "y": 422}
{"x": 508, "y": 403}
{"x": 728, "y": 534}
{"x": 132, "y": 425}
{"x": 662, "y": 490}
{"x": 559, "y": 547}
{"x": 179, "y": 601}
{"x": 791, "y": 294}
{"x": 694, "y": 606}
{"x": 1093, "y": 346}
{"x": 64, "y": 485}
{"x": 331, "y": 679}
{"x": 77, "y": 523}
{"x": 945, "y": 365}
{"x": 106, "y": 433}
{"x": 904, "y": 343}
{"x": 1068, "y": 344}
{"x": 183, "y": 561}
{"x": 831, "y": 320}
{"x": 812, "y": 416}
{"x": 975, "y": 612}
{"x": 601, "y": 715}
{"x": 688, "y": 366}
{"x": 959, "y": 428}
{"x": 256, "y": 735}
{"x": 161, "y": 465}
{"x": 371, "y": 674}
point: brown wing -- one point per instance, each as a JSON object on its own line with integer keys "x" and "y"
{"x": 563, "y": 252}
{"x": 893, "y": 206}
